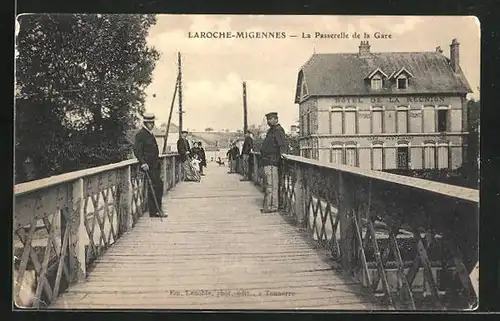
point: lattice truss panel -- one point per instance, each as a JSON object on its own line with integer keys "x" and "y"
{"x": 171, "y": 176}
{"x": 51, "y": 222}
{"x": 40, "y": 246}
{"x": 101, "y": 208}
{"x": 398, "y": 250}
{"x": 139, "y": 195}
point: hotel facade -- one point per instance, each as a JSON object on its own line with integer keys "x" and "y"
{"x": 382, "y": 111}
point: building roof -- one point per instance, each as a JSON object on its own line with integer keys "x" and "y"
{"x": 344, "y": 74}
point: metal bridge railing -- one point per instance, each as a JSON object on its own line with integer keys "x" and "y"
{"x": 409, "y": 241}
{"x": 63, "y": 223}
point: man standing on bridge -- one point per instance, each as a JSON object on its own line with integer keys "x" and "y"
{"x": 147, "y": 153}
{"x": 273, "y": 146}
{"x": 245, "y": 155}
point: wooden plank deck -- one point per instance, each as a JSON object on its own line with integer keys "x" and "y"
{"x": 215, "y": 251}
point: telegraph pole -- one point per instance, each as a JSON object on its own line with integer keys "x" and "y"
{"x": 180, "y": 93}
{"x": 245, "y": 120}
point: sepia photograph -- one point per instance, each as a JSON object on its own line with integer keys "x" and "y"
{"x": 246, "y": 162}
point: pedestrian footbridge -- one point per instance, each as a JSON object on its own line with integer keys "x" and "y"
{"x": 346, "y": 238}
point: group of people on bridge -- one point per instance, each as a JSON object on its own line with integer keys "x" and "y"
{"x": 194, "y": 160}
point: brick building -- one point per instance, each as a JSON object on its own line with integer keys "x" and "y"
{"x": 392, "y": 110}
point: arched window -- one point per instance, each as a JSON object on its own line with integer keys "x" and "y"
{"x": 336, "y": 116}
{"x": 336, "y": 154}
{"x": 377, "y": 120}
{"x": 443, "y": 155}
{"x": 350, "y": 120}
{"x": 351, "y": 154}
{"x": 403, "y": 155}
{"x": 402, "y": 119}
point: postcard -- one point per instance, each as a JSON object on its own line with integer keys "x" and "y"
{"x": 246, "y": 162}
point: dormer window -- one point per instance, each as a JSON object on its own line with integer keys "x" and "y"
{"x": 376, "y": 83}
{"x": 376, "y": 78}
{"x": 402, "y": 82}
{"x": 401, "y": 77}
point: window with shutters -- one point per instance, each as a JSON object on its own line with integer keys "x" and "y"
{"x": 376, "y": 83}
{"x": 429, "y": 119}
{"x": 351, "y": 157}
{"x": 350, "y": 120}
{"x": 377, "y": 157}
{"x": 336, "y": 121}
{"x": 377, "y": 125}
{"x": 429, "y": 156}
{"x": 402, "y": 120}
{"x": 443, "y": 156}
{"x": 336, "y": 155}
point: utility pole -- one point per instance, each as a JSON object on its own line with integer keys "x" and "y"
{"x": 245, "y": 121}
{"x": 170, "y": 116}
{"x": 180, "y": 93}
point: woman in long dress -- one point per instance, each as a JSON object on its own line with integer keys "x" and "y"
{"x": 195, "y": 165}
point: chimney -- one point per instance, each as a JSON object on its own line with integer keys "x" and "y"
{"x": 454, "y": 55}
{"x": 364, "y": 49}
{"x": 439, "y": 50}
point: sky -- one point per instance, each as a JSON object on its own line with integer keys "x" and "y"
{"x": 213, "y": 69}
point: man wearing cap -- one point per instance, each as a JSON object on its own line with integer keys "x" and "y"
{"x": 147, "y": 153}
{"x": 234, "y": 153}
{"x": 245, "y": 155}
{"x": 184, "y": 150}
{"x": 273, "y": 146}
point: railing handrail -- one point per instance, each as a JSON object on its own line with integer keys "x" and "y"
{"x": 31, "y": 186}
{"x": 449, "y": 190}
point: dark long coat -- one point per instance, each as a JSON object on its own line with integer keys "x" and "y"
{"x": 146, "y": 149}
{"x": 182, "y": 148}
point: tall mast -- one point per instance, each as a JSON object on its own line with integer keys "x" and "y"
{"x": 245, "y": 121}
{"x": 180, "y": 92}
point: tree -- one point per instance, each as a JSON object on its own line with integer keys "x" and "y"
{"x": 80, "y": 88}
{"x": 472, "y": 157}
{"x": 209, "y": 129}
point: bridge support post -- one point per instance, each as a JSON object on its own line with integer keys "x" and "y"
{"x": 164, "y": 176}
{"x": 172, "y": 174}
{"x": 179, "y": 174}
{"x": 77, "y": 233}
{"x": 299, "y": 197}
{"x": 126, "y": 200}
{"x": 345, "y": 212}
{"x": 255, "y": 169}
